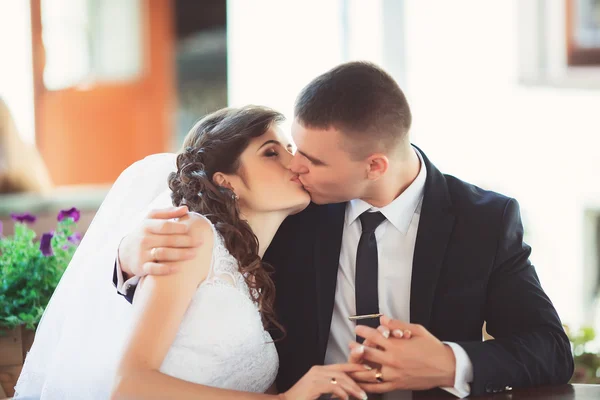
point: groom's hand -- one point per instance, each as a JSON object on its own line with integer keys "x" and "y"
{"x": 423, "y": 362}
{"x": 162, "y": 231}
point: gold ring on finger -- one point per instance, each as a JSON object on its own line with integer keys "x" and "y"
{"x": 379, "y": 376}
{"x": 153, "y": 255}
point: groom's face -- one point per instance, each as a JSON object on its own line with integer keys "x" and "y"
{"x": 325, "y": 167}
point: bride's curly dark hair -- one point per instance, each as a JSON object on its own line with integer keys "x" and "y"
{"x": 214, "y": 145}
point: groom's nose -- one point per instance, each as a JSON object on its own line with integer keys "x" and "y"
{"x": 297, "y": 164}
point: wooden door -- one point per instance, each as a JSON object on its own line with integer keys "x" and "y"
{"x": 89, "y": 132}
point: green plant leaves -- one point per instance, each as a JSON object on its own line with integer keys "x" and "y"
{"x": 27, "y": 277}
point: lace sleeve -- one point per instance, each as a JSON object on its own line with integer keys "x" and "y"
{"x": 224, "y": 269}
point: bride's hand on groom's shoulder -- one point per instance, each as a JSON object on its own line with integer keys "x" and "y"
{"x": 154, "y": 246}
{"x": 327, "y": 379}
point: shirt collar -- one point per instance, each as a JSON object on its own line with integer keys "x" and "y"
{"x": 400, "y": 211}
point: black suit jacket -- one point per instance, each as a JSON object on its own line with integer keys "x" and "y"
{"x": 470, "y": 265}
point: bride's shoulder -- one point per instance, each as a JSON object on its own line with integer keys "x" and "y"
{"x": 200, "y": 229}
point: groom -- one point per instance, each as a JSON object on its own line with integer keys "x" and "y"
{"x": 399, "y": 238}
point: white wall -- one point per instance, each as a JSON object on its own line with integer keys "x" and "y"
{"x": 16, "y": 76}
{"x": 458, "y": 61}
{"x": 538, "y": 144}
{"x": 275, "y": 47}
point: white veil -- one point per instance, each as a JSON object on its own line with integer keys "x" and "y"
{"x": 80, "y": 337}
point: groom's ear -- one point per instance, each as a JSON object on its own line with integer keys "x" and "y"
{"x": 377, "y": 165}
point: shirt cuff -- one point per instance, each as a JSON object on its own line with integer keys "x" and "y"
{"x": 464, "y": 372}
{"x": 122, "y": 285}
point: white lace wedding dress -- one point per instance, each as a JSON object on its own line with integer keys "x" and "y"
{"x": 221, "y": 341}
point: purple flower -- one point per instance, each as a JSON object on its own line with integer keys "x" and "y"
{"x": 46, "y": 244}
{"x": 23, "y": 218}
{"x": 71, "y": 213}
{"x": 75, "y": 238}
{"x": 65, "y": 247}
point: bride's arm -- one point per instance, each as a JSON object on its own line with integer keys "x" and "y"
{"x": 159, "y": 308}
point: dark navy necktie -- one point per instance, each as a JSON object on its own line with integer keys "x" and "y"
{"x": 365, "y": 282}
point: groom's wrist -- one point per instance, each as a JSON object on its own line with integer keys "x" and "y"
{"x": 119, "y": 267}
{"x": 448, "y": 368}
{"x": 122, "y": 267}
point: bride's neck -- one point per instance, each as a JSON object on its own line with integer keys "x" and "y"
{"x": 264, "y": 226}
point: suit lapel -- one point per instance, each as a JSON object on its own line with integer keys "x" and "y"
{"x": 435, "y": 228}
{"x": 328, "y": 243}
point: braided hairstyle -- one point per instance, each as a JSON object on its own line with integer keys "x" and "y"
{"x": 214, "y": 145}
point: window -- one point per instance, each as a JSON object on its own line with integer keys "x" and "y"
{"x": 591, "y": 278}
{"x": 583, "y": 32}
{"x": 559, "y": 43}
{"x": 91, "y": 41}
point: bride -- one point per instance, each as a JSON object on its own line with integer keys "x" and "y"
{"x": 200, "y": 333}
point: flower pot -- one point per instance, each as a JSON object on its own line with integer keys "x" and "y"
{"x": 14, "y": 345}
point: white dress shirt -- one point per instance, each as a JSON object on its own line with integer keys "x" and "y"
{"x": 396, "y": 237}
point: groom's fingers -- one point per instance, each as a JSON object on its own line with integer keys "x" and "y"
{"x": 151, "y": 268}
{"x": 397, "y": 326}
{"x": 356, "y": 353}
{"x": 372, "y": 355}
{"x": 165, "y": 227}
{"x": 166, "y": 254}
{"x": 383, "y": 387}
{"x": 170, "y": 241}
{"x": 356, "y": 357}
{"x": 373, "y": 335}
{"x": 364, "y": 377}
{"x": 168, "y": 213}
{"x": 345, "y": 367}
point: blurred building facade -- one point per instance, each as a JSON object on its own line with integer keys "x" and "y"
{"x": 505, "y": 94}
{"x": 494, "y": 100}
